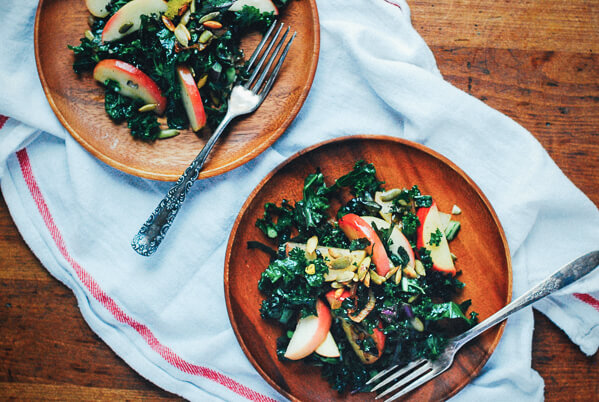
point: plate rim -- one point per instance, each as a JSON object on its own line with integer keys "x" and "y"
{"x": 271, "y": 138}
{"x": 364, "y": 137}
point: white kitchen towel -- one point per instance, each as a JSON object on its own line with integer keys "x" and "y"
{"x": 166, "y": 316}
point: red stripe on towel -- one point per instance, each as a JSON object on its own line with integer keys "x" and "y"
{"x": 3, "y": 120}
{"x": 111, "y": 305}
{"x": 588, "y": 299}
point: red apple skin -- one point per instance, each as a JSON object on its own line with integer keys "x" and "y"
{"x": 125, "y": 74}
{"x": 131, "y": 13}
{"x": 262, "y": 5}
{"x": 324, "y": 325}
{"x": 354, "y": 228}
{"x": 191, "y": 98}
{"x": 423, "y": 214}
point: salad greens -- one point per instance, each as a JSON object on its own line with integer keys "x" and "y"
{"x": 413, "y": 313}
{"x": 215, "y": 59}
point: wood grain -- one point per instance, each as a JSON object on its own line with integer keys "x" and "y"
{"x": 534, "y": 61}
{"x": 481, "y": 248}
{"x": 78, "y": 101}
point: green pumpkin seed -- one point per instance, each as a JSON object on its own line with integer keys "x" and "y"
{"x": 390, "y": 194}
{"x": 209, "y": 17}
{"x": 147, "y": 108}
{"x": 168, "y": 133}
{"x": 205, "y": 36}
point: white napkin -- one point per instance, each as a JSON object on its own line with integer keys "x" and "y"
{"x": 166, "y": 316}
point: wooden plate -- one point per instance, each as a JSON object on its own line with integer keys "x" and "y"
{"x": 78, "y": 102}
{"x": 481, "y": 248}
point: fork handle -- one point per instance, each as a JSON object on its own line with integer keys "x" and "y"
{"x": 561, "y": 278}
{"x": 153, "y": 231}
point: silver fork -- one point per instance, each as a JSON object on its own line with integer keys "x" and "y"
{"x": 419, "y": 372}
{"x": 244, "y": 99}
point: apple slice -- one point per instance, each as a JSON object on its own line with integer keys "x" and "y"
{"x": 354, "y": 228}
{"x": 133, "y": 82}
{"x": 265, "y": 6}
{"x": 309, "y": 333}
{"x": 97, "y": 8}
{"x": 430, "y": 222}
{"x": 192, "y": 101}
{"x": 128, "y": 19}
{"x": 328, "y": 348}
{"x": 397, "y": 238}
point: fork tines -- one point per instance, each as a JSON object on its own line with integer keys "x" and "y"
{"x": 409, "y": 377}
{"x": 256, "y": 83}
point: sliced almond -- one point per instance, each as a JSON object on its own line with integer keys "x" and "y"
{"x": 398, "y": 277}
{"x": 334, "y": 253}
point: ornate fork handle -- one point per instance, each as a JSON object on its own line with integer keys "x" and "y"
{"x": 566, "y": 275}
{"x": 151, "y": 234}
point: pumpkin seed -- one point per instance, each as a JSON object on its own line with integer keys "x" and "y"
{"x": 311, "y": 269}
{"x": 376, "y": 278}
{"x": 333, "y": 253}
{"x": 168, "y": 133}
{"x": 409, "y": 272}
{"x": 202, "y": 81}
{"x": 341, "y": 262}
{"x": 417, "y": 324}
{"x": 125, "y": 27}
{"x": 311, "y": 244}
{"x": 212, "y": 24}
{"x": 182, "y": 35}
{"x": 391, "y": 272}
{"x": 185, "y": 18}
{"x": 398, "y": 277}
{"x": 89, "y": 35}
{"x": 337, "y": 285}
{"x": 419, "y": 268}
{"x": 209, "y": 17}
{"x": 345, "y": 276}
{"x": 147, "y": 107}
{"x": 205, "y": 36}
{"x": 338, "y": 293}
{"x": 363, "y": 268}
{"x": 390, "y": 194}
{"x": 168, "y": 23}
{"x": 357, "y": 256}
{"x": 367, "y": 280}
{"x": 192, "y": 6}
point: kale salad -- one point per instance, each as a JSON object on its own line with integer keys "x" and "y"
{"x": 364, "y": 287}
{"x": 169, "y": 65}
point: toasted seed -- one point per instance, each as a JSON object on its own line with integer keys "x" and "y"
{"x": 417, "y": 324}
{"x": 212, "y": 24}
{"x": 183, "y": 9}
{"x": 398, "y": 277}
{"x": 413, "y": 298}
{"x": 410, "y": 272}
{"x": 403, "y": 203}
{"x": 341, "y": 262}
{"x": 205, "y": 36}
{"x": 376, "y": 278}
{"x": 311, "y": 244}
{"x": 147, "y": 107}
{"x": 357, "y": 256}
{"x": 363, "y": 268}
{"x": 367, "y": 280}
{"x": 311, "y": 269}
{"x": 168, "y": 133}
{"x": 338, "y": 293}
{"x": 185, "y": 18}
{"x": 455, "y": 210}
{"x": 202, "y": 81}
{"x": 336, "y": 285}
{"x": 182, "y": 34}
{"x": 89, "y": 35}
{"x": 345, "y": 276}
{"x": 419, "y": 268}
{"x": 168, "y": 23}
{"x": 391, "y": 272}
{"x": 209, "y": 17}
{"x": 192, "y": 6}
{"x": 356, "y": 278}
{"x": 390, "y": 194}
{"x": 125, "y": 27}
{"x": 334, "y": 253}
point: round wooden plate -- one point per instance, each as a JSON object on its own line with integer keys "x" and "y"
{"x": 78, "y": 101}
{"x": 481, "y": 249}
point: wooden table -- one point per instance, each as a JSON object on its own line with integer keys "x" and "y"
{"x": 536, "y": 61}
